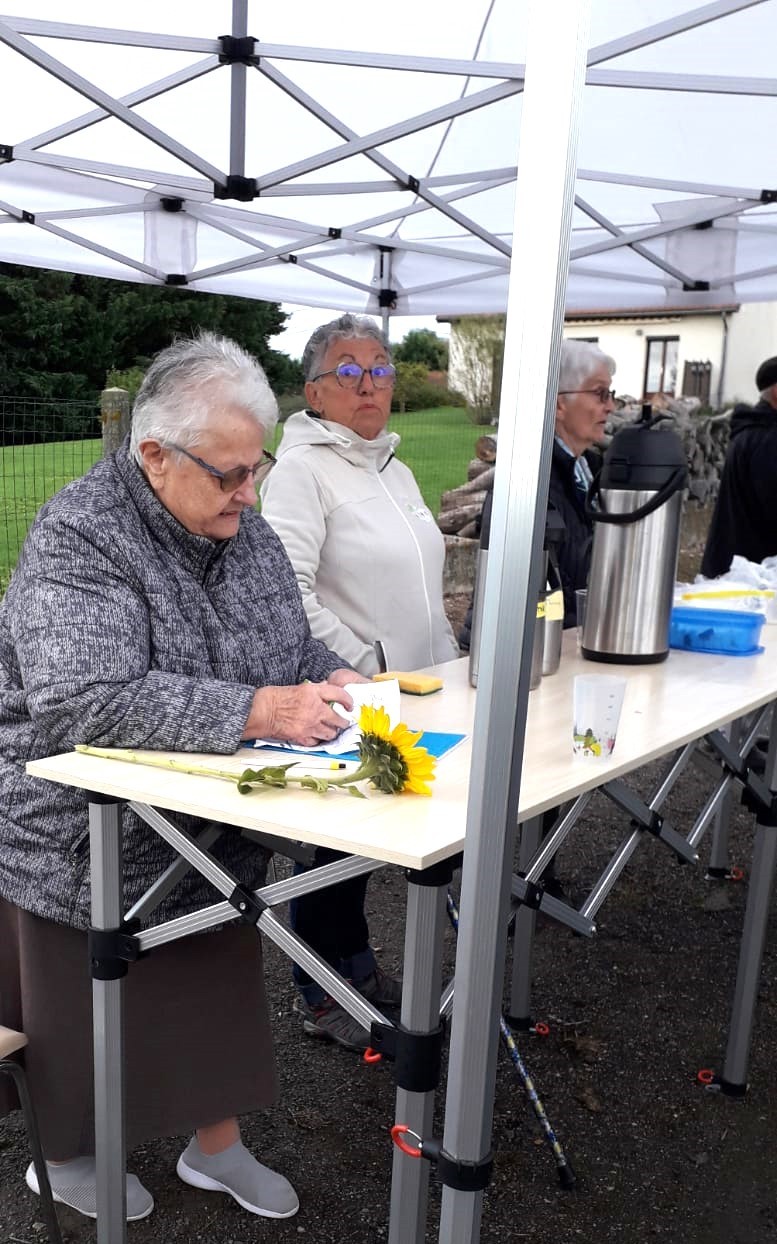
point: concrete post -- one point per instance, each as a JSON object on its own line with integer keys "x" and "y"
{"x": 114, "y": 417}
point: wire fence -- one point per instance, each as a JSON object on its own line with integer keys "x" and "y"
{"x": 46, "y": 444}
{"x": 43, "y": 446}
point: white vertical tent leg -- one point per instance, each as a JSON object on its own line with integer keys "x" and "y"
{"x": 107, "y": 1008}
{"x": 556, "y": 57}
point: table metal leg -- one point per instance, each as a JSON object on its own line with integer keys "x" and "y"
{"x": 734, "y": 1077}
{"x": 719, "y": 862}
{"x": 523, "y": 939}
{"x": 421, "y": 986}
{"x": 107, "y": 1007}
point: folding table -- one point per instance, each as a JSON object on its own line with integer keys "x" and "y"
{"x": 666, "y": 707}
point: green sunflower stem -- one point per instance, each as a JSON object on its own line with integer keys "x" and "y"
{"x": 154, "y": 761}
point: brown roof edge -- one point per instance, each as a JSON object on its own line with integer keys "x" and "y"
{"x": 636, "y": 313}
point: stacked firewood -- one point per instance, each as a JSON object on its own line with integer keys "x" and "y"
{"x": 705, "y": 439}
{"x": 460, "y": 507}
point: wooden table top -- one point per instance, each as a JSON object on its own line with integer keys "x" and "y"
{"x": 665, "y": 706}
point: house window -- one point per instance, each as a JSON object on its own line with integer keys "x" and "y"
{"x": 592, "y": 341}
{"x": 661, "y": 365}
{"x": 696, "y": 379}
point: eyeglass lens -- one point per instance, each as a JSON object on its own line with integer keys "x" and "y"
{"x": 349, "y": 375}
{"x": 237, "y": 476}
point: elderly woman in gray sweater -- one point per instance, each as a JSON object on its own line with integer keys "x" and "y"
{"x": 152, "y": 607}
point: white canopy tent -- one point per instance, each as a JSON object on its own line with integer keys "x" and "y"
{"x": 644, "y": 180}
{"x": 369, "y": 164}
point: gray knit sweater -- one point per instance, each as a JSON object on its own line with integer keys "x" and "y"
{"x": 122, "y": 629}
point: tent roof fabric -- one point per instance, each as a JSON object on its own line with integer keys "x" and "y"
{"x": 356, "y": 170}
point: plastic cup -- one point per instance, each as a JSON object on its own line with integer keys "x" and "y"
{"x": 598, "y": 699}
{"x": 581, "y": 597}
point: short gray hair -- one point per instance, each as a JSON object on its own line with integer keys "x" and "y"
{"x": 344, "y": 328}
{"x": 579, "y": 359}
{"x": 186, "y": 386}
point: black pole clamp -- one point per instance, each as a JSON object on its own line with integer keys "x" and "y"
{"x": 453, "y": 1172}
{"x": 416, "y": 1055}
{"x": 112, "y": 950}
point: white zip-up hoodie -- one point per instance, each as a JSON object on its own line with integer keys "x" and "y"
{"x": 366, "y": 550}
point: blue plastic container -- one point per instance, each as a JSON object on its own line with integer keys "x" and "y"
{"x": 729, "y": 632}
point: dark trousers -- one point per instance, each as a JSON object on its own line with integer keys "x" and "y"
{"x": 332, "y": 922}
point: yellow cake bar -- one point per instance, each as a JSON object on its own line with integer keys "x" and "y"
{"x": 415, "y": 684}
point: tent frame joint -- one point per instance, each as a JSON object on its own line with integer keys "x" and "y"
{"x": 236, "y": 187}
{"x": 237, "y": 50}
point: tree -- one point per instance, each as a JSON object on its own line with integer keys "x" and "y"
{"x": 421, "y": 345}
{"x": 62, "y": 333}
{"x": 412, "y": 380}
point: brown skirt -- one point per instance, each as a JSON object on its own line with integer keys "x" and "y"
{"x": 198, "y": 1045}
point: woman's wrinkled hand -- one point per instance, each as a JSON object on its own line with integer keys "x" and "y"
{"x": 302, "y": 714}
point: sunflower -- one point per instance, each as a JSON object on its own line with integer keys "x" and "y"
{"x": 396, "y": 765}
{"x": 389, "y": 760}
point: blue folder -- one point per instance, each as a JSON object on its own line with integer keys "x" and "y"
{"x": 436, "y": 743}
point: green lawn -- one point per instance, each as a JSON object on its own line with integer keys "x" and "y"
{"x": 436, "y": 445}
{"x": 30, "y": 475}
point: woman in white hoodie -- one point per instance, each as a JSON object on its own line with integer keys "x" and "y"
{"x": 368, "y": 557}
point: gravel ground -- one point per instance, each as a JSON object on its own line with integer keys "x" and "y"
{"x": 633, "y": 1014}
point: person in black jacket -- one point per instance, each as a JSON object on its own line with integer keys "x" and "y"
{"x": 583, "y": 405}
{"x": 744, "y": 520}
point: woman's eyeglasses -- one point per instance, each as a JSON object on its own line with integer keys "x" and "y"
{"x": 349, "y": 375}
{"x": 235, "y": 477}
{"x": 604, "y": 395}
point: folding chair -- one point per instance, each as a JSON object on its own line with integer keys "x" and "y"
{"x": 10, "y": 1042}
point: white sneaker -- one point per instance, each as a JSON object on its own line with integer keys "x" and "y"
{"x": 237, "y": 1172}
{"x": 75, "y": 1184}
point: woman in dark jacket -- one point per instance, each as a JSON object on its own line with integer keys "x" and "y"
{"x": 583, "y": 405}
{"x": 152, "y": 607}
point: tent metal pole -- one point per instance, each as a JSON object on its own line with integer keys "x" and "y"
{"x": 237, "y": 97}
{"x": 556, "y": 55}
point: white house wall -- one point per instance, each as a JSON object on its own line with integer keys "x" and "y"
{"x": 752, "y": 338}
{"x": 748, "y": 336}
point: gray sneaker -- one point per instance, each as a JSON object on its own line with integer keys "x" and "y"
{"x": 380, "y": 989}
{"x": 75, "y": 1184}
{"x": 237, "y": 1172}
{"x": 331, "y": 1022}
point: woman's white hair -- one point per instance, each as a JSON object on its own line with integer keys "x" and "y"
{"x": 345, "y": 328}
{"x": 579, "y": 360}
{"x": 187, "y": 386}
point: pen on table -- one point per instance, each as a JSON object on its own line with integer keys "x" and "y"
{"x": 323, "y": 764}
